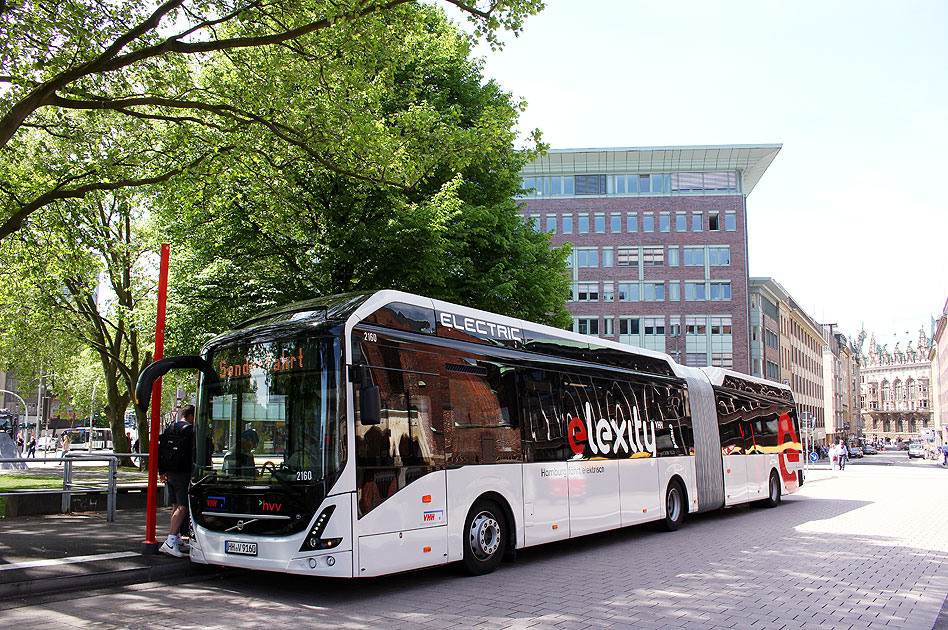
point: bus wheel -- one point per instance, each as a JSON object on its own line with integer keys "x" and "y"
{"x": 674, "y": 507}
{"x": 773, "y": 491}
{"x": 485, "y": 538}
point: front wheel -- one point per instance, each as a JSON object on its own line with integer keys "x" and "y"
{"x": 674, "y": 507}
{"x": 486, "y": 536}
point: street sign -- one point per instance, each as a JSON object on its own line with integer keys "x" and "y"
{"x": 814, "y": 457}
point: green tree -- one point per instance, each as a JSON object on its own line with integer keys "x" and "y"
{"x": 273, "y": 233}
{"x": 83, "y": 269}
{"x": 143, "y": 61}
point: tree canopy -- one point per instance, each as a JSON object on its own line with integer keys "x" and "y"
{"x": 269, "y": 233}
{"x": 81, "y": 67}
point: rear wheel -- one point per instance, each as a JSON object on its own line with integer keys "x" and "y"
{"x": 674, "y": 507}
{"x": 773, "y": 491}
{"x": 486, "y": 537}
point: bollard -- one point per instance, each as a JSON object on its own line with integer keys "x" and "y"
{"x": 110, "y": 500}
{"x": 66, "y": 506}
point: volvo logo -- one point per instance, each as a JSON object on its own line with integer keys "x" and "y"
{"x": 240, "y": 525}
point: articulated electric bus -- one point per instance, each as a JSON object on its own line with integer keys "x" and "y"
{"x": 366, "y": 434}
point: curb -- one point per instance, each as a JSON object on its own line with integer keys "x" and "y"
{"x": 45, "y": 585}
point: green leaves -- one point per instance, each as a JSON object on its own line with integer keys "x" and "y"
{"x": 197, "y": 76}
{"x": 273, "y": 228}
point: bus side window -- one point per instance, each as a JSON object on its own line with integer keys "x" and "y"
{"x": 481, "y": 413}
{"x": 544, "y": 430}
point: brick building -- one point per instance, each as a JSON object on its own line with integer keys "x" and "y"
{"x": 659, "y": 241}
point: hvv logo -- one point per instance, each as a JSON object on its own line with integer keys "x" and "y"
{"x": 434, "y": 516}
{"x": 269, "y": 507}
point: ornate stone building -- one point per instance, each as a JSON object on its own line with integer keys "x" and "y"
{"x": 896, "y": 395}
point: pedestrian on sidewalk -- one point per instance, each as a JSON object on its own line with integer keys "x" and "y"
{"x": 842, "y": 453}
{"x": 31, "y": 447}
{"x": 175, "y": 461}
{"x": 833, "y": 456}
{"x": 944, "y": 454}
{"x": 64, "y": 445}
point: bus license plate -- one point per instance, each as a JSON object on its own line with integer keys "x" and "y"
{"x": 240, "y": 548}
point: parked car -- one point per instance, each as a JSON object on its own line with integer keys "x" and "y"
{"x": 47, "y": 443}
{"x": 869, "y": 449}
{"x": 916, "y": 450}
{"x": 855, "y": 452}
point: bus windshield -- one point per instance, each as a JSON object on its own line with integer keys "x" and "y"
{"x": 274, "y": 419}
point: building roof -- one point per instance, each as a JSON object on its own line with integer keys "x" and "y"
{"x": 752, "y": 159}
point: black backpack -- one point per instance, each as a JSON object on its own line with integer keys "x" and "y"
{"x": 174, "y": 449}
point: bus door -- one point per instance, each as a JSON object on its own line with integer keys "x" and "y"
{"x": 546, "y": 471}
{"x": 734, "y": 444}
{"x": 594, "y": 480}
{"x": 401, "y": 490}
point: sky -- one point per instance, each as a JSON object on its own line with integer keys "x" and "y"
{"x": 850, "y": 217}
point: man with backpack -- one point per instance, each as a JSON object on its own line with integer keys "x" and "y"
{"x": 175, "y": 461}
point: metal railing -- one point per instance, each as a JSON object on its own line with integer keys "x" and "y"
{"x": 70, "y": 486}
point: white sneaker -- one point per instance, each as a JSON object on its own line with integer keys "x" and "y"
{"x": 171, "y": 550}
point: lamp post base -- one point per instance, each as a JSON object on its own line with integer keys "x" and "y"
{"x": 150, "y": 548}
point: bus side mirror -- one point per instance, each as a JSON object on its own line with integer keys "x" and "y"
{"x": 370, "y": 405}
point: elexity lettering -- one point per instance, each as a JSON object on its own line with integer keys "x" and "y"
{"x": 480, "y": 327}
{"x": 617, "y": 436}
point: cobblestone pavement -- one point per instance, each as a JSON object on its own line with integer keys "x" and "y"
{"x": 866, "y": 548}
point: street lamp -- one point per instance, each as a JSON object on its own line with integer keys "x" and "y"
{"x": 26, "y": 415}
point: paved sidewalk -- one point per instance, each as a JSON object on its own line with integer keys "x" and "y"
{"x": 62, "y": 552}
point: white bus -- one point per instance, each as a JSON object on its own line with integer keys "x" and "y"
{"x": 366, "y": 434}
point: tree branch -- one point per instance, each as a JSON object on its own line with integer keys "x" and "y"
{"x": 13, "y": 223}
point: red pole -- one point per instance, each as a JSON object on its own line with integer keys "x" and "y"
{"x": 150, "y": 545}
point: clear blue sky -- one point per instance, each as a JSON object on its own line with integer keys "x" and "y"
{"x": 850, "y": 217}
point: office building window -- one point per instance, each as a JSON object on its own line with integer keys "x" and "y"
{"x": 720, "y": 291}
{"x": 568, "y": 187}
{"x": 697, "y": 222}
{"x": 584, "y": 224}
{"x": 719, "y": 256}
{"x": 587, "y": 292}
{"x": 629, "y": 325}
{"x": 632, "y": 222}
{"x": 551, "y": 223}
{"x": 607, "y": 256}
{"x": 615, "y": 223}
{"x": 695, "y": 291}
{"x": 644, "y": 184}
{"x": 693, "y": 256}
{"x": 587, "y": 257}
{"x": 608, "y": 329}
{"x": 681, "y": 222}
{"x": 629, "y": 292}
{"x": 674, "y": 291}
{"x": 713, "y": 222}
{"x": 674, "y": 326}
{"x": 664, "y": 222}
{"x": 587, "y": 325}
{"x": 730, "y": 221}
{"x": 590, "y": 184}
{"x": 600, "y": 224}
{"x": 653, "y": 292}
{"x": 618, "y": 184}
{"x": 653, "y": 256}
{"x": 627, "y": 257}
{"x": 673, "y": 256}
{"x": 648, "y": 222}
{"x": 567, "y": 224}
{"x": 608, "y": 291}
{"x": 535, "y": 222}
